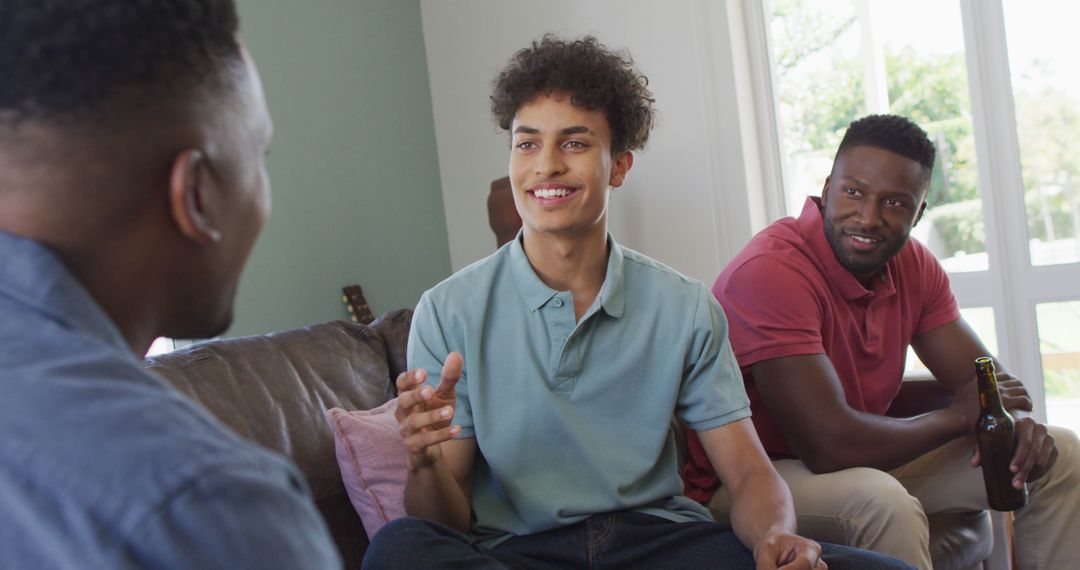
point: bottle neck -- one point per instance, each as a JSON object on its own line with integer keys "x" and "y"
{"x": 989, "y": 396}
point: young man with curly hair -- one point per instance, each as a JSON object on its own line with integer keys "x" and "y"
{"x": 562, "y": 357}
{"x": 822, "y": 310}
{"x": 132, "y": 187}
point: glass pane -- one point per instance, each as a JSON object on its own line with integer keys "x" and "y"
{"x": 981, "y": 320}
{"x": 1046, "y": 91}
{"x": 826, "y": 56}
{"x": 1059, "y": 345}
{"x": 161, "y": 345}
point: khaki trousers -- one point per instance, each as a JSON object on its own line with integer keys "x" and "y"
{"x": 886, "y": 511}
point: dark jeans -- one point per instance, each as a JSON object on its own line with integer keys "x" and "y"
{"x": 622, "y": 540}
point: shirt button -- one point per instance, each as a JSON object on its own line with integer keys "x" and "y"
{"x": 557, "y": 303}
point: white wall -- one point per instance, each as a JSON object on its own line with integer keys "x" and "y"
{"x": 692, "y": 198}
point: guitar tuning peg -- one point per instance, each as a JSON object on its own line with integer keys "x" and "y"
{"x": 350, "y": 309}
{"x": 344, "y": 299}
{"x": 354, "y": 319}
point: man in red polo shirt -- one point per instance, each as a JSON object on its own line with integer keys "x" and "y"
{"x": 821, "y": 311}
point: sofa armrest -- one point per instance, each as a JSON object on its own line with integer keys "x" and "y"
{"x": 919, "y": 393}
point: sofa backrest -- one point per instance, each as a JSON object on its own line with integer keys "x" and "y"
{"x": 274, "y": 389}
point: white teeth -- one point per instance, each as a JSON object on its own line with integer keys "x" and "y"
{"x": 548, "y": 193}
{"x": 861, "y": 239}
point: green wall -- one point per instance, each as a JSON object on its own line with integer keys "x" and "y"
{"x": 353, "y": 165}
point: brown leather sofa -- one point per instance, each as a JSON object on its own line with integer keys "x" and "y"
{"x": 275, "y": 389}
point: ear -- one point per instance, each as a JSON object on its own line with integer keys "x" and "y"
{"x": 918, "y": 217}
{"x": 187, "y": 197}
{"x": 825, "y": 188}
{"x": 620, "y": 165}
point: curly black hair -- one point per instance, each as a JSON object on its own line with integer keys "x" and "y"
{"x": 595, "y": 77}
{"x": 894, "y": 134}
{"x": 63, "y": 59}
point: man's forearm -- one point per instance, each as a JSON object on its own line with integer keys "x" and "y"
{"x": 432, "y": 493}
{"x": 870, "y": 440}
{"x": 827, "y": 434}
{"x": 759, "y": 506}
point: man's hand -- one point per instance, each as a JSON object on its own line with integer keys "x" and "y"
{"x": 1014, "y": 396}
{"x": 783, "y": 550}
{"x": 1036, "y": 451}
{"x": 424, "y": 414}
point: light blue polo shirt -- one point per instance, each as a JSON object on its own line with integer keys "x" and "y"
{"x": 573, "y": 419}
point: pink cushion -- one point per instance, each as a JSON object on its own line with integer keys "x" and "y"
{"x": 371, "y": 456}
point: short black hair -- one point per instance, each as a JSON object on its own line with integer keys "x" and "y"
{"x": 594, "y": 77}
{"x": 64, "y": 59}
{"x": 894, "y": 134}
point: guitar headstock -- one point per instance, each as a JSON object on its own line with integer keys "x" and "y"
{"x": 356, "y": 304}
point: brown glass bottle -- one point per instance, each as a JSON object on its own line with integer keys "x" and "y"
{"x": 996, "y": 433}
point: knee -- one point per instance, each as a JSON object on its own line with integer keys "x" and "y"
{"x": 403, "y": 528}
{"x": 1067, "y": 443}
{"x": 880, "y": 501}
{"x": 1068, "y": 448}
{"x": 849, "y": 558}
{"x": 394, "y": 541}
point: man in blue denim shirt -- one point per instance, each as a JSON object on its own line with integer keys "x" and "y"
{"x": 132, "y": 188}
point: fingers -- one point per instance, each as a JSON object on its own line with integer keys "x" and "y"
{"x": 1014, "y": 396}
{"x": 1031, "y": 447}
{"x": 976, "y": 459}
{"x": 1036, "y": 451}
{"x": 419, "y": 441}
{"x": 790, "y": 552}
{"x": 418, "y": 407}
{"x": 1013, "y": 393}
{"x": 765, "y": 555}
{"x": 451, "y": 373}
{"x": 800, "y": 563}
{"x": 1047, "y": 459}
{"x": 409, "y": 395}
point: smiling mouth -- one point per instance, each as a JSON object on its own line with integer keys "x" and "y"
{"x": 864, "y": 243}
{"x": 552, "y": 193}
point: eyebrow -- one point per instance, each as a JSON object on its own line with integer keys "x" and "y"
{"x": 889, "y": 192}
{"x": 575, "y": 130}
{"x": 854, "y": 179}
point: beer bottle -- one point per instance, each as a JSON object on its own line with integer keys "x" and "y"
{"x": 996, "y": 433}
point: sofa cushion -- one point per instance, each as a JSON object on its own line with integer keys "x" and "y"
{"x": 393, "y": 326}
{"x": 371, "y": 455}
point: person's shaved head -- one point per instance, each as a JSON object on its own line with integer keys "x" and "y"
{"x": 131, "y": 141}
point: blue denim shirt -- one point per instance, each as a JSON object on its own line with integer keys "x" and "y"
{"x": 102, "y": 465}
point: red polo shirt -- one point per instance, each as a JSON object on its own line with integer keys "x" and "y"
{"x": 785, "y": 294}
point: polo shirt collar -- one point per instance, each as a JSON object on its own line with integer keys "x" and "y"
{"x": 612, "y": 293}
{"x": 34, "y": 276}
{"x": 812, "y": 227}
{"x": 536, "y": 294}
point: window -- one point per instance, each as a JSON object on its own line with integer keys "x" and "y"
{"x": 1046, "y": 94}
{"x": 1002, "y": 102}
{"x": 161, "y": 345}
